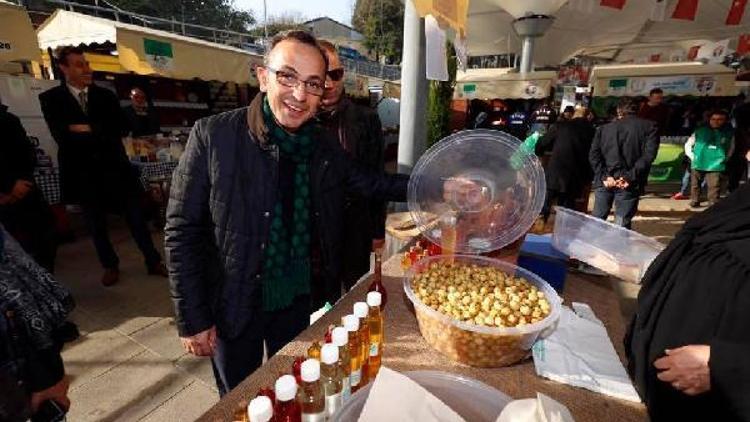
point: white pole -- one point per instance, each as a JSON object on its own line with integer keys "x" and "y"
{"x": 414, "y": 90}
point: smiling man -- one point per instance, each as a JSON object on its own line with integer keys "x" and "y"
{"x": 254, "y": 238}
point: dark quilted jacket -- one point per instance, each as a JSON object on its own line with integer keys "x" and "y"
{"x": 218, "y": 218}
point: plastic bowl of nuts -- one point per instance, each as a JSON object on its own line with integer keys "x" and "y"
{"x": 480, "y": 311}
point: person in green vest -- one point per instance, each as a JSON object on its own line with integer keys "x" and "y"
{"x": 708, "y": 149}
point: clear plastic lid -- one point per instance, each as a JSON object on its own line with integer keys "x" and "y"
{"x": 476, "y": 191}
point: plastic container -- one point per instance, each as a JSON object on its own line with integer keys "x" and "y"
{"x": 481, "y": 183}
{"x": 473, "y": 400}
{"x": 616, "y": 250}
{"x": 477, "y": 345}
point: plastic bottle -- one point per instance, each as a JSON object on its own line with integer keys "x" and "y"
{"x": 375, "y": 322}
{"x": 268, "y": 392}
{"x": 287, "y": 409}
{"x": 260, "y": 409}
{"x": 314, "y": 351}
{"x": 340, "y": 338}
{"x": 331, "y": 376}
{"x": 310, "y": 395}
{"x": 377, "y": 275}
{"x": 351, "y": 323}
{"x": 360, "y": 311}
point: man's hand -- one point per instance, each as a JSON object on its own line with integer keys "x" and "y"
{"x": 378, "y": 244}
{"x": 201, "y": 344}
{"x": 20, "y": 189}
{"x": 81, "y": 128}
{"x": 609, "y": 182}
{"x": 686, "y": 368}
{"x": 58, "y": 393}
{"x": 621, "y": 183}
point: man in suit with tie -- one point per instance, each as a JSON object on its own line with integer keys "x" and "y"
{"x": 86, "y": 122}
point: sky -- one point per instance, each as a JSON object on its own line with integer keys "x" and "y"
{"x": 340, "y": 10}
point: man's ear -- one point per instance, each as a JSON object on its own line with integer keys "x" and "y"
{"x": 262, "y": 74}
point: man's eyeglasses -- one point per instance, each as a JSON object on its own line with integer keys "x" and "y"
{"x": 291, "y": 80}
{"x": 336, "y": 74}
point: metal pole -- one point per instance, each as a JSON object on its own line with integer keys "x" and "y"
{"x": 414, "y": 90}
{"x": 265, "y": 22}
{"x": 527, "y": 55}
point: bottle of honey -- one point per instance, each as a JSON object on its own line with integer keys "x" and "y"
{"x": 351, "y": 323}
{"x": 340, "y": 338}
{"x": 375, "y": 323}
{"x": 314, "y": 351}
{"x": 360, "y": 311}
{"x": 310, "y": 394}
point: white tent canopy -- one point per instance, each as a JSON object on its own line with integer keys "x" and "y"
{"x": 501, "y": 83}
{"x": 583, "y": 27}
{"x": 178, "y": 56}
{"x": 692, "y": 78}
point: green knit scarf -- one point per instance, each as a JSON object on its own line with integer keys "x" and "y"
{"x": 286, "y": 268}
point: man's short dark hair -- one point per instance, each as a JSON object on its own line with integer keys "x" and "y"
{"x": 62, "y": 53}
{"x": 719, "y": 112}
{"x": 655, "y": 91}
{"x": 299, "y": 36}
{"x": 627, "y": 106}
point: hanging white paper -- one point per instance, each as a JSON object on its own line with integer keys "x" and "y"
{"x": 436, "y": 56}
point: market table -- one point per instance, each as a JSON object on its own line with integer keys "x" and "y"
{"x": 406, "y": 350}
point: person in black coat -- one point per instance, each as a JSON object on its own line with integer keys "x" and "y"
{"x": 688, "y": 345}
{"x": 621, "y": 157}
{"x": 23, "y": 210}
{"x": 140, "y": 116}
{"x": 86, "y": 122}
{"x": 568, "y": 171}
{"x": 360, "y": 133}
{"x": 254, "y": 238}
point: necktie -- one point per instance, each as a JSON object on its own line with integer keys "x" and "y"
{"x": 82, "y": 97}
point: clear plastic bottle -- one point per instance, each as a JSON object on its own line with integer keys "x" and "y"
{"x": 331, "y": 376}
{"x": 310, "y": 395}
{"x": 351, "y": 323}
{"x": 287, "y": 409}
{"x": 340, "y": 338}
{"x": 375, "y": 322}
{"x": 260, "y": 409}
{"x": 360, "y": 311}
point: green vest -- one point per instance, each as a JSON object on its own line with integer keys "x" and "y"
{"x": 711, "y": 148}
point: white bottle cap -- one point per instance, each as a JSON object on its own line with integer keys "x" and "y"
{"x": 339, "y": 336}
{"x": 329, "y": 354}
{"x": 374, "y": 299}
{"x": 351, "y": 323}
{"x": 310, "y": 370}
{"x": 361, "y": 309}
{"x": 260, "y": 409}
{"x": 286, "y": 388}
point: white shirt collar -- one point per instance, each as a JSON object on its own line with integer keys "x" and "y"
{"x": 76, "y": 92}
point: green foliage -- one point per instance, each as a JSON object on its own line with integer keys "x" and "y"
{"x": 280, "y": 23}
{"x": 381, "y": 22}
{"x": 213, "y": 13}
{"x": 439, "y": 102}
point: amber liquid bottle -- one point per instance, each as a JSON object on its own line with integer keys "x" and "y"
{"x": 377, "y": 282}
{"x": 375, "y": 323}
{"x": 360, "y": 311}
{"x": 351, "y": 323}
{"x": 310, "y": 394}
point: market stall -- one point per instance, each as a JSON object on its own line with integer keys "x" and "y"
{"x": 498, "y": 93}
{"x": 19, "y": 51}
{"x": 406, "y": 350}
{"x": 690, "y": 88}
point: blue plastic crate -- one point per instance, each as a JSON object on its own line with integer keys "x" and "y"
{"x": 540, "y": 257}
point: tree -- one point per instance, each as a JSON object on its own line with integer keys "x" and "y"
{"x": 213, "y": 13}
{"x": 381, "y": 22}
{"x": 439, "y": 102}
{"x": 279, "y": 23}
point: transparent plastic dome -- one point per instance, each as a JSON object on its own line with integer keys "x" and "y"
{"x": 480, "y": 187}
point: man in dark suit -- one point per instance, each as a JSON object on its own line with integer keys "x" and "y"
{"x": 86, "y": 122}
{"x": 360, "y": 133}
{"x": 621, "y": 158}
{"x": 23, "y": 210}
